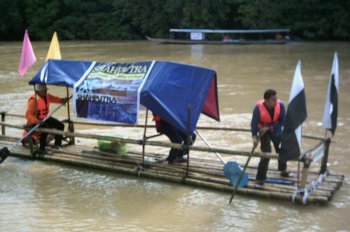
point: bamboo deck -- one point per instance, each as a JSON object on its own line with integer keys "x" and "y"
{"x": 202, "y": 172}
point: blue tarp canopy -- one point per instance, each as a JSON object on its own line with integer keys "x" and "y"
{"x": 61, "y": 72}
{"x": 171, "y": 90}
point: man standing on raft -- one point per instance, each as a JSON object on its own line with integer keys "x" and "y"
{"x": 267, "y": 121}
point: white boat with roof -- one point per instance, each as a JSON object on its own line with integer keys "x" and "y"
{"x": 219, "y": 36}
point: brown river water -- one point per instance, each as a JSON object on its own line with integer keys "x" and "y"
{"x": 40, "y": 196}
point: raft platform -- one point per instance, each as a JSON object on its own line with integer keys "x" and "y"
{"x": 305, "y": 187}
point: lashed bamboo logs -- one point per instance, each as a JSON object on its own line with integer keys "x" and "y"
{"x": 201, "y": 172}
{"x": 174, "y": 174}
{"x": 179, "y": 179}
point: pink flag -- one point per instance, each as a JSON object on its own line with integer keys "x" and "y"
{"x": 27, "y": 57}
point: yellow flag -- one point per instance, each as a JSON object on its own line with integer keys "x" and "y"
{"x": 54, "y": 49}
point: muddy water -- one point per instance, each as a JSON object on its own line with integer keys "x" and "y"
{"x": 37, "y": 196}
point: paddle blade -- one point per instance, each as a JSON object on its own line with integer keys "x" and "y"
{"x": 232, "y": 171}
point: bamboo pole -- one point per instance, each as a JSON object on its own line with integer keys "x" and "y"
{"x": 3, "y": 115}
{"x": 14, "y": 115}
{"x": 325, "y": 156}
{"x": 144, "y": 138}
{"x": 188, "y": 138}
{"x": 12, "y": 126}
{"x": 97, "y": 158}
{"x": 8, "y": 138}
{"x": 157, "y": 143}
{"x": 141, "y": 126}
{"x": 70, "y": 122}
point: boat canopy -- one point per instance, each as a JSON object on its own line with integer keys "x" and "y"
{"x": 60, "y": 72}
{"x": 171, "y": 90}
{"x": 222, "y": 36}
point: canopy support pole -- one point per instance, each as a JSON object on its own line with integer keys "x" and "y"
{"x": 188, "y": 140}
{"x": 144, "y": 139}
{"x": 3, "y": 115}
{"x": 304, "y": 174}
{"x": 325, "y": 156}
{"x": 70, "y": 122}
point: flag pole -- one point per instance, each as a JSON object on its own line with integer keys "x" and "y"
{"x": 330, "y": 113}
{"x": 291, "y": 138}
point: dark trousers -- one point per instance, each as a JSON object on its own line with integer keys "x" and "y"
{"x": 54, "y": 124}
{"x": 265, "y": 146}
{"x": 175, "y": 136}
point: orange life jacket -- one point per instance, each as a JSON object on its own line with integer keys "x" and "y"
{"x": 42, "y": 106}
{"x": 265, "y": 117}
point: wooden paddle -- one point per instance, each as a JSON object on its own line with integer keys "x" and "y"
{"x": 261, "y": 133}
{"x": 5, "y": 152}
{"x": 241, "y": 175}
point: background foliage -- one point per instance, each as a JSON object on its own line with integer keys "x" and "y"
{"x": 133, "y": 19}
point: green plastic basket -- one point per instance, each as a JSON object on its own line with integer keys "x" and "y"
{"x": 119, "y": 148}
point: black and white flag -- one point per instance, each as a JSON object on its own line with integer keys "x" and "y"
{"x": 296, "y": 115}
{"x": 331, "y": 106}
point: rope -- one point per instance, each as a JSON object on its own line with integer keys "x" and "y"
{"x": 139, "y": 168}
{"x": 306, "y": 192}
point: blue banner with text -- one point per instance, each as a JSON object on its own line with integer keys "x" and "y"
{"x": 110, "y": 92}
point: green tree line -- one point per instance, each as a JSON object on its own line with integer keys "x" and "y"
{"x": 133, "y": 19}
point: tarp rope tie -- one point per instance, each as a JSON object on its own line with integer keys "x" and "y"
{"x": 139, "y": 169}
{"x": 301, "y": 192}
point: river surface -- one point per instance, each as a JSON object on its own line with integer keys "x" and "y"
{"x": 39, "y": 196}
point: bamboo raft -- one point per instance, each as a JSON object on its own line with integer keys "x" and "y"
{"x": 319, "y": 185}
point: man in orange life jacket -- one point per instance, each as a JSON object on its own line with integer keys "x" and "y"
{"x": 175, "y": 136}
{"x": 268, "y": 118}
{"x": 38, "y": 109}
